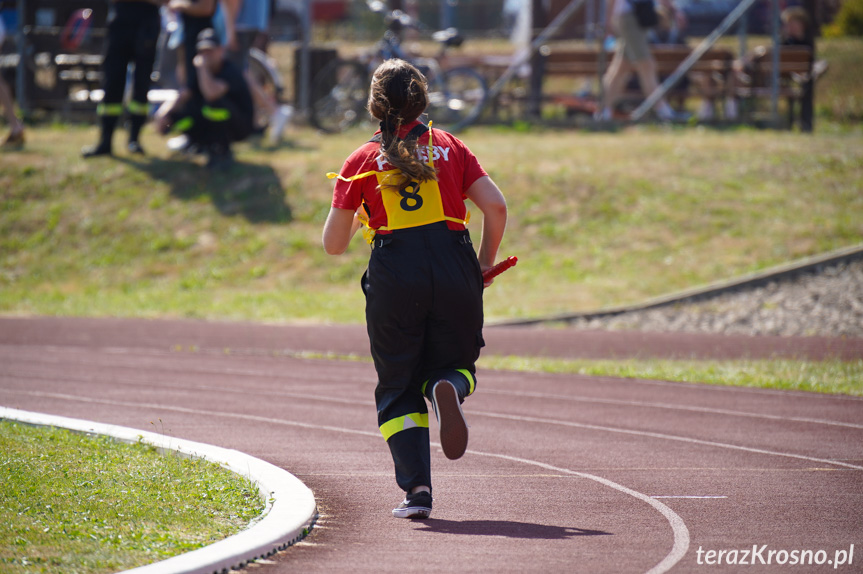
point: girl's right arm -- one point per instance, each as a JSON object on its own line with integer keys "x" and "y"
{"x": 340, "y": 226}
{"x": 485, "y": 194}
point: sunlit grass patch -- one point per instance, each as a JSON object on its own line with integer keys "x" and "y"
{"x": 75, "y": 503}
{"x": 832, "y": 376}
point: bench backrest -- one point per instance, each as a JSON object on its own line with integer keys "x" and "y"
{"x": 585, "y": 61}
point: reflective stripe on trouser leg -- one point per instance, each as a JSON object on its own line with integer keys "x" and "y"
{"x": 216, "y": 114}
{"x": 464, "y": 389}
{"x": 183, "y": 124}
{"x": 137, "y": 108}
{"x": 104, "y": 109}
{"x": 409, "y": 421}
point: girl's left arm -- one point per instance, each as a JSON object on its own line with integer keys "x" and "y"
{"x": 340, "y": 226}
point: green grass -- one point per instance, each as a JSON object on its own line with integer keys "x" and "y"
{"x": 71, "y": 503}
{"x": 831, "y": 376}
{"x": 596, "y": 220}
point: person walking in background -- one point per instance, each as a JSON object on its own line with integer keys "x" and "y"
{"x": 133, "y": 35}
{"x": 251, "y": 18}
{"x": 424, "y": 284}
{"x": 632, "y": 54}
{"x": 195, "y": 16}
{"x": 15, "y": 137}
{"x": 218, "y": 111}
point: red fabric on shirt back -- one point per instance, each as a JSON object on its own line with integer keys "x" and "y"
{"x": 456, "y": 166}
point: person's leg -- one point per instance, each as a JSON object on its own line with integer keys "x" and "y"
{"x": 613, "y": 83}
{"x": 188, "y": 121}
{"x": 145, "y": 57}
{"x": 16, "y": 127}
{"x": 397, "y": 287}
{"x": 453, "y": 336}
{"x": 119, "y": 50}
{"x": 225, "y": 125}
{"x": 647, "y": 77}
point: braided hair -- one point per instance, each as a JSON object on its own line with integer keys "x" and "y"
{"x": 399, "y": 94}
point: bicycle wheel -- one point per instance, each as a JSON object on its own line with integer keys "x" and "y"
{"x": 267, "y": 77}
{"x": 458, "y": 100}
{"x": 339, "y": 94}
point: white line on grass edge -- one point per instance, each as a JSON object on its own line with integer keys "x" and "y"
{"x": 289, "y": 512}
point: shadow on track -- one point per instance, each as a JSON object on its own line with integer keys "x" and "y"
{"x": 506, "y": 528}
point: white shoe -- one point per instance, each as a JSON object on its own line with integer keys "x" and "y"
{"x": 178, "y": 143}
{"x": 453, "y": 427}
{"x": 278, "y": 122}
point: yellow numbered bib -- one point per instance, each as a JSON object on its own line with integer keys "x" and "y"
{"x": 415, "y": 205}
{"x": 419, "y": 203}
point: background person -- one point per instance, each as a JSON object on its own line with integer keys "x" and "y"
{"x": 133, "y": 35}
{"x": 246, "y": 20}
{"x": 195, "y": 16}
{"x": 218, "y": 111}
{"x": 423, "y": 285}
{"x": 15, "y": 137}
{"x": 633, "y": 55}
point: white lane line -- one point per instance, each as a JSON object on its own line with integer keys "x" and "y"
{"x": 296, "y": 354}
{"x": 544, "y": 396}
{"x": 582, "y": 399}
{"x": 661, "y": 436}
{"x": 678, "y": 527}
{"x": 555, "y": 422}
{"x": 688, "y": 497}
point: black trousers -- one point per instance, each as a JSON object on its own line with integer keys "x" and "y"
{"x": 133, "y": 34}
{"x": 213, "y": 125}
{"x": 192, "y": 26}
{"x": 424, "y": 316}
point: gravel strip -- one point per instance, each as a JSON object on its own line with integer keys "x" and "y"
{"x": 827, "y": 303}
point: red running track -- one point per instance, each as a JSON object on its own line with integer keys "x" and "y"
{"x": 562, "y": 474}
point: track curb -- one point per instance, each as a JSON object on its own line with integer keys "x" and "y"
{"x": 704, "y": 292}
{"x": 289, "y": 514}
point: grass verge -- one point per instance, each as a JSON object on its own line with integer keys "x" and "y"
{"x": 76, "y": 503}
{"x": 596, "y": 219}
{"x": 832, "y": 376}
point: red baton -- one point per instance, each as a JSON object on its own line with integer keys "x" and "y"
{"x": 493, "y": 272}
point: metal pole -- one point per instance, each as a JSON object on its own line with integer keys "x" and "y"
{"x": 690, "y": 60}
{"x": 603, "y": 55}
{"x": 590, "y": 20}
{"x": 447, "y": 8}
{"x": 19, "y": 71}
{"x": 306, "y": 58}
{"x": 774, "y": 76}
{"x": 742, "y": 35}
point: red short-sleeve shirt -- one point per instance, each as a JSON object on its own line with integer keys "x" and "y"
{"x": 456, "y": 166}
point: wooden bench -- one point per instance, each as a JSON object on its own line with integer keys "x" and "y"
{"x": 753, "y": 83}
{"x": 567, "y": 62}
{"x": 584, "y": 62}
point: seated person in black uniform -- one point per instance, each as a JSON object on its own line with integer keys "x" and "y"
{"x": 218, "y": 111}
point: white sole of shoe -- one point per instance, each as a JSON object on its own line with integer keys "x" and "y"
{"x": 412, "y": 512}
{"x": 453, "y": 427}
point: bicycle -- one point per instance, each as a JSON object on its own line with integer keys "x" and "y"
{"x": 340, "y": 90}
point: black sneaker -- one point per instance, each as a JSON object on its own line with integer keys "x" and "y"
{"x": 96, "y": 151}
{"x": 453, "y": 427}
{"x": 417, "y": 505}
{"x": 135, "y": 147}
